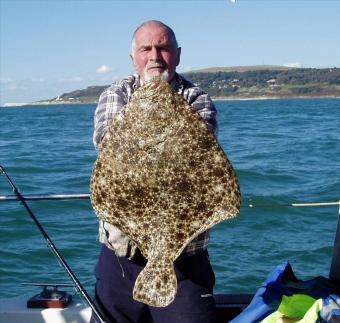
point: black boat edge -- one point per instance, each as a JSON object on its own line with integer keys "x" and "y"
{"x": 228, "y": 306}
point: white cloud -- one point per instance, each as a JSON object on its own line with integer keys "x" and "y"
{"x": 37, "y": 79}
{"x": 9, "y": 84}
{"x": 296, "y": 64}
{"x": 103, "y": 69}
{"x": 73, "y": 79}
{"x": 6, "y": 81}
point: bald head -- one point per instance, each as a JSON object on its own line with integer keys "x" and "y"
{"x": 155, "y": 52}
{"x": 157, "y": 23}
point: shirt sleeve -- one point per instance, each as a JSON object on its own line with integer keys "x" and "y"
{"x": 110, "y": 103}
{"x": 202, "y": 103}
{"x": 206, "y": 108}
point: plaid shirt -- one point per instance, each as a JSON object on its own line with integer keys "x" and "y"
{"x": 111, "y": 102}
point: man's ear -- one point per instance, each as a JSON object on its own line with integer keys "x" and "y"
{"x": 133, "y": 61}
{"x": 178, "y": 55}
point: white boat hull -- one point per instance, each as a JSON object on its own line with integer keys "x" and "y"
{"x": 14, "y": 310}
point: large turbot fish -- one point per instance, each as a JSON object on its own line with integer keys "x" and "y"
{"x": 162, "y": 179}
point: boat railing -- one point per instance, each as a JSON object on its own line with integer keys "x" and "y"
{"x": 334, "y": 273}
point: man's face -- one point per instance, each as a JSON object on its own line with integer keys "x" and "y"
{"x": 155, "y": 53}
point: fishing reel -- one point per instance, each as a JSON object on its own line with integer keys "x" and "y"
{"x": 50, "y": 296}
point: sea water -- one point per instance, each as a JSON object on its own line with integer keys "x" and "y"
{"x": 283, "y": 151}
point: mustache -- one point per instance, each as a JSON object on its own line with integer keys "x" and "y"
{"x": 153, "y": 65}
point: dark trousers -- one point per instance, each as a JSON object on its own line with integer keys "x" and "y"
{"x": 116, "y": 277}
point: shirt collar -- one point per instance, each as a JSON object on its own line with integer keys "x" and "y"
{"x": 177, "y": 83}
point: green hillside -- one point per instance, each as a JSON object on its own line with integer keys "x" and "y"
{"x": 274, "y": 83}
{"x": 241, "y": 82}
{"x": 243, "y": 69}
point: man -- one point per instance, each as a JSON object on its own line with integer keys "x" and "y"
{"x": 155, "y": 53}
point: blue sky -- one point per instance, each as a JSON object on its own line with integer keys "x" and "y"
{"x": 49, "y": 47}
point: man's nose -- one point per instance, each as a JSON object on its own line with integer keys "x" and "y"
{"x": 155, "y": 54}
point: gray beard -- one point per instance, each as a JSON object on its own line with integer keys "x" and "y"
{"x": 148, "y": 77}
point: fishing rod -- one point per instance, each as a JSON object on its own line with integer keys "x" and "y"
{"x": 306, "y": 204}
{"x": 54, "y": 249}
{"x": 86, "y": 196}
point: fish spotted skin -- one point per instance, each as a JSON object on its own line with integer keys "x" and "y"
{"x": 162, "y": 179}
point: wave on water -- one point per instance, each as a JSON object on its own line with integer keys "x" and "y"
{"x": 282, "y": 150}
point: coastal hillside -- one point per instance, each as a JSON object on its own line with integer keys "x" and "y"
{"x": 241, "y": 82}
{"x": 272, "y": 83}
{"x": 243, "y": 68}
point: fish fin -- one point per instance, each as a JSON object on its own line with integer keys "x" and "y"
{"x": 156, "y": 285}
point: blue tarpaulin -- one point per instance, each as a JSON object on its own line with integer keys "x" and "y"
{"x": 282, "y": 282}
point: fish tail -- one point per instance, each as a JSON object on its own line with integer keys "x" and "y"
{"x": 156, "y": 285}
